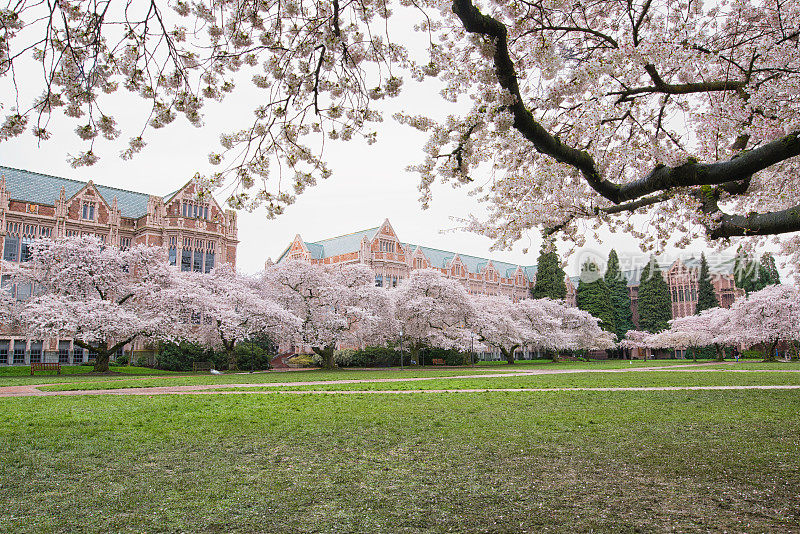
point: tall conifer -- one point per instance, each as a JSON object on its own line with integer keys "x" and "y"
{"x": 594, "y": 297}
{"x": 549, "y": 275}
{"x": 772, "y": 270}
{"x": 620, "y": 299}
{"x": 706, "y": 298}
{"x": 655, "y": 306}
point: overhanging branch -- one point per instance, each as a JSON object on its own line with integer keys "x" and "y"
{"x": 661, "y": 178}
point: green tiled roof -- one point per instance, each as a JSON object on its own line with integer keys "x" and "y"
{"x": 27, "y": 186}
{"x": 474, "y": 264}
{"x": 344, "y": 244}
{"x": 341, "y": 244}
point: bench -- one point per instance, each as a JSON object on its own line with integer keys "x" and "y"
{"x": 437, "y": 361}
{"x": 46, "y": 367}
{"x": 202, "y": 366}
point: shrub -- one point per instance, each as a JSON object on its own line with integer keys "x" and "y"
{"x": 142, "y": 361}
{"x": 305, "y": 360}
{"x": 181, "y": 356}
{"x": 450, "y": 356}
{"x": 123, "y": 360}
{"x": 252, "y": 357}
{"x": 753, "y": 354}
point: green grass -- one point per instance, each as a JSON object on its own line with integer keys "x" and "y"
{"x": 592, "y": 364}
{"x": 491, "y": 462}
{"x": 20, "y": 375}
{"x": 572, "y": 380}
{"x": 343, "y": 374}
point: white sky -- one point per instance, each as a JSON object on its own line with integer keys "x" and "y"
{"x": 369, "y": 184}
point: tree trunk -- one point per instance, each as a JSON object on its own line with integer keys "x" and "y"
{"x": 554, "y": 355}
{"x": 414, "y": 354}
{"x": 770, "y": 356}
{"x": 229, "y": 345}
{"x": 509, "y": 354}
{"x": 694, "y": 353}
{"x": 101, "y": 361}
{"x": 326, "y": 353}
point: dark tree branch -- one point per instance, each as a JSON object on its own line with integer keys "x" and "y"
{"x": 733, "y": 175}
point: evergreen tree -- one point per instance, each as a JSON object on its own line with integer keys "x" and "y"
{"x": 706, "y": 298}
{"x": 594, "y": 297}
{"x": 655, "y": 306}
{"x": 771, "y": 269}
{"x": 749, "y": 274}
{"x": 620, "y": 299}
{"x": 549, "y": 275}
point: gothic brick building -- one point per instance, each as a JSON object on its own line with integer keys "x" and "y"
{"x": 681, "y": 277}
{"x": 392, "y": 260}
{"x": 198, "y": 234}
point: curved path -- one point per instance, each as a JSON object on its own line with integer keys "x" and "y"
{"x": 34, "y": 391}
{"x": 213, "y": 389}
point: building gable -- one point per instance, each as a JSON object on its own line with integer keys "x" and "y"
{"x": 185, "y": 202}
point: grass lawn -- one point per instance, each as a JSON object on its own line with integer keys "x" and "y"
{"x": 487, "y": 462}
{"x": 20, "y": 375}
{"x": 573, "y": 380}
{"x": 90, "y": 383}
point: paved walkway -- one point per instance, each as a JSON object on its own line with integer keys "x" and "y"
{"x": 34, "y": 391}
{"x": 213, "y": 389}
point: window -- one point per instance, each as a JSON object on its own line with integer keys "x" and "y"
{"x": 694, "y": 294}
{"x": 88, "y": 211}
{"x": 124, "y": 243}
{"x": 4, "y": 352}
{"x": 77, "y": 355}
{"x": 11, "y": 248}
{"x": 119, "y": 354}
{"x": 19, "y": 352}
{"x": 197, "y": 265}
{"x": 209, "y": 261}
{"x": 196, "y": 317}
{"x": 173, "y": 250}
{"x": 394, "y": 281}
{"x": 186, "y": 260}
{"x": 92, "y": 354}
{"x": 63, "y": 352}
{"x": 36, "y": 352}
{"x": 378, "y": 280}
{"x": 25, "y": 253}
{"x": 23, "y": 291}
{"x": 194, "y": 210}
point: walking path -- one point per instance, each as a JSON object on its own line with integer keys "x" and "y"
{"x": 34, "y": 391}
{"x": 213, "y": 389}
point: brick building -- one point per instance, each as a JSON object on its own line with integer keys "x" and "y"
{"x": 198, "y": 234}
{"x": 681, "y": 277}
{"x": 392, "y": 260}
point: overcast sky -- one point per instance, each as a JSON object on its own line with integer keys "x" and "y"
{"x": 369, "y": 183}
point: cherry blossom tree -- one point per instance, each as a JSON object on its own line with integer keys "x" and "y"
{"x": 543, "y": 324}
{"x": 582, "y": 331}
{"x": 711, "y": 327}
{"x": 433, "y": 311}
{"x": 334, "y": 306}
{"x": 768, "y": 316}
{"x": 101, "y": 297}
{"x": 636, "y": 339}
{"x": 498, "y": 324}
{"x": 583, "y": 112}
{"x": 225, "y": 308}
